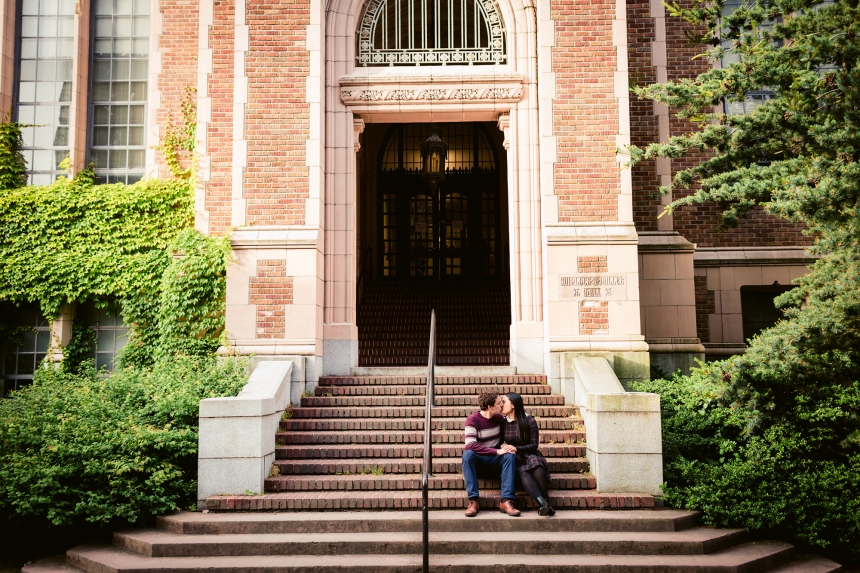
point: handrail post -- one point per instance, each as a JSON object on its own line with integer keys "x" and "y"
{"x": 429, "y": 402}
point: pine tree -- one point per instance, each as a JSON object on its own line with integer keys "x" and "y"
{"x": 778, "y": 427}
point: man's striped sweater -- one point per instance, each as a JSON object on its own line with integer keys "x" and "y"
{"x": 483, "y": 436}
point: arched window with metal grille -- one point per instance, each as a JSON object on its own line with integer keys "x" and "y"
{"x": 431, "y": 32}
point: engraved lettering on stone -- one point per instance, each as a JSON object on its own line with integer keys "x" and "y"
{"x": 592, "y": 286}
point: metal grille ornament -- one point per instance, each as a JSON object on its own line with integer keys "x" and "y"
{"x": 431, "y": 32}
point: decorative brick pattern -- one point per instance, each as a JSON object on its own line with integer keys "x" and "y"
{"x": 592, "y": 264}
{"x": 593, "y": 317}
{"x": 585, "y": 110}
{"x": 271, "y": 290}
{"x": 705, "y": 307}
{"x": 277, "y": 115}
{"x": 178, "y": 46}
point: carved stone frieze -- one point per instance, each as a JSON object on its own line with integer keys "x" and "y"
{"x": 382, "y": 94}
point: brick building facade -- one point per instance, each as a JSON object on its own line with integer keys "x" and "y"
{"x": 299, "y": 104}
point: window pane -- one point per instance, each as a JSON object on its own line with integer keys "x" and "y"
{"x": 48, "y": 27}
{"x": 135, "y": 137}
{"x": 100, "y": 138}
{"x": 64, "y": 70}
{"x": 45, "y": 65}
{"x": 48, "y": 7}
{"x": 29, "y": 27}
{"x": 125, "y": 23}
{"x": 43, "y": 340}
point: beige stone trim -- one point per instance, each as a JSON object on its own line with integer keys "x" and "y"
{"x": 153, "y": 94}
{"x": 734, "y": 256}
{"x": 206, "y": 17}
{"x": 241, "y": 44}
{"x": 7, "y": 54}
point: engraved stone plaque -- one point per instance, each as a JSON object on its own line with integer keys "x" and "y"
{"x": 593, "y": 287}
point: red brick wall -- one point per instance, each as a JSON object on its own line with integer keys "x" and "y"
{"x": 219, "y": 139}
{"x": 587, "y": 179}
{"x": 277, "y": 116}
{"x": 643, "y": 122}
{"x": 179, "y": 48}
{"x": 270, "y": 290}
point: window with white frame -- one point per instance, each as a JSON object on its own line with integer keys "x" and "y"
{"x": 120, "y": 52}
{"x": 43, "y": 85}
{"x": 20, "y": 361}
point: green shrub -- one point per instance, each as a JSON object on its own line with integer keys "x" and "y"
{"x": 102, "y": 448}
{"x": 794, "y": 475}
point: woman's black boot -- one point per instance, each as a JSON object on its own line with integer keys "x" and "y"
{"x": 545, "y": 508}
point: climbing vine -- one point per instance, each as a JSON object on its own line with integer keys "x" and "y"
{"x": 178, "y": 141}
{"x": 130, "y": 245}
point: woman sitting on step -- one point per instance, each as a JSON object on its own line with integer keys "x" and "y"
{"x": 520, "y": 431}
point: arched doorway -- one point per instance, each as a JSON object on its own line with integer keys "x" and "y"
{"x": 443, "y": 248}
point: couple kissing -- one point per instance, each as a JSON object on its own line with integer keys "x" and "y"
{"x": 502, "y": 440}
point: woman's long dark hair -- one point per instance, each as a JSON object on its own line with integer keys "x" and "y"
{"x": 521, "y": 418}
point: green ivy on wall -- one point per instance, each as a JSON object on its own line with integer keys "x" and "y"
{"x": 131, "y": 245}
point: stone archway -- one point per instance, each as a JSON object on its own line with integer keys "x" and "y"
{"x": 505, "y": 94}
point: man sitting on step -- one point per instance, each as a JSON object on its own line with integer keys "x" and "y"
{"x": 484, "y": 456}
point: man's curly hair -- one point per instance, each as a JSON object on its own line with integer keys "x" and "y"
{"x": 487, "y": 399}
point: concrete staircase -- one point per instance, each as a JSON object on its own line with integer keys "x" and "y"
{"x": 473, "y": 317}
{"x": 358, "y": 444}
{"x": 648, "y": 541}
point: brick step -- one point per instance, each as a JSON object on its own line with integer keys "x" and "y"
{"x": 696, "y": 541}
{"x": 407, "y": 342}
{"x": 418, "y": 411}
{"x": 398, "y": 401}
{"x": 404, "y": 424}
{"x": 289, "y": 467}
{"x": 404, "y": 437}
{"x": 663, "y": 520}
{"x": 454, "y": 313}
{"x": 304, "y": 452}
{"x": 363, "y": 482}
{"x": 422, "y": 380}
{"x": 444, "y": 499}
{"x": 440, "y": 390}
{"x": 749, "y": 558}
{"x": 440, "y": 361}
{"x": 441, "y": 352}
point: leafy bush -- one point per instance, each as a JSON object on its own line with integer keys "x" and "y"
{"x": 794, "y": 475}
{"x": 88, "y": 447}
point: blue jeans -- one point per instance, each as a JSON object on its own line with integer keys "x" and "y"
{"x": 489, "y": 467}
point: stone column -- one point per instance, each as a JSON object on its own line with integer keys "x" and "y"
{"x": 340, "y": 332}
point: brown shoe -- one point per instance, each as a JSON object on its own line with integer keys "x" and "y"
{"x": 472, "y": 510}
{"x": 508, "y": 507}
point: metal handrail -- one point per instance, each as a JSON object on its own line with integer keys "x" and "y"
{"x": 366, "y": 260}
{"x": 428, "y": 441}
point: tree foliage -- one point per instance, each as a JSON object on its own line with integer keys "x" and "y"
{"x": 770, "y": 440}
